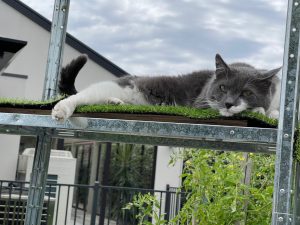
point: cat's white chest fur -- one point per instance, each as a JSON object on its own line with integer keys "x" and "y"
{"x": 107, "y": 92}
{"x": 273, "y": 111}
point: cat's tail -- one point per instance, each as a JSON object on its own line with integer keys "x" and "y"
{"x": 69, "y": 73}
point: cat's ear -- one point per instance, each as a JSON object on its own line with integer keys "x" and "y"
{"x": 221, "y": 67}
{"x": 271, "y": 73}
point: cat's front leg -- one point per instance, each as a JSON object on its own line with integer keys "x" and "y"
{"x": 64, "y": 109}
{"x": 115, "y": 101}
{"x": 274, "y": 114}
{"x": 260, "y": 110}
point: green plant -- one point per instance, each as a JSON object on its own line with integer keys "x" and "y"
{"x": 215, "y": 189}
{"x": 131, "y": 165}
{"x": 261, "y": 190}
{"x": 147, "y": 206}
{"x": 217, "y": 193}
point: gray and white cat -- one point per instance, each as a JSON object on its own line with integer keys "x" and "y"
{"x": 230, "y": 89}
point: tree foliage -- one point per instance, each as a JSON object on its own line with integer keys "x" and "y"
{"x": 217, "y": 194}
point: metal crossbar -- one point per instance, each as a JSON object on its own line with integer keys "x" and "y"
{"x": 285, "y": 210}
{"x": 248, "y": 139}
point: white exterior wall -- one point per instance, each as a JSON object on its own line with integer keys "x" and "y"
{"x": 164, "y": 173}
{"x": 9, "y": 156}
{"x": 12, "y": 87}
{"x": 31, "y": 61}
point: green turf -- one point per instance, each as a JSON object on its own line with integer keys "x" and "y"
{"x": 25, "y": 103}
{"x": 173, "y": 110}
{"x": 137, "y": 109}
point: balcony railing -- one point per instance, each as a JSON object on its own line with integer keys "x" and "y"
{"x": 74, "y": 204}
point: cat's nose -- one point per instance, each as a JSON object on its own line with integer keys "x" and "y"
{"x": 228, "y": 105}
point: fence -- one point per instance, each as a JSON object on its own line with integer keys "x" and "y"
{"x": 68, "y": 204}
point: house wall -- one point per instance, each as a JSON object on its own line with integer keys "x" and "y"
{"x": 8, "y": 156}
{"x": 12, "y": 87}
{"x": 166, "y": 174}
{"x": 31, "y": 61}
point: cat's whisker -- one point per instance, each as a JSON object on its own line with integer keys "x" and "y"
{"x": 213, "y": 104}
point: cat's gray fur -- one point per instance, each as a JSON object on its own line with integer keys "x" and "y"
{"x": 229, "y": 89}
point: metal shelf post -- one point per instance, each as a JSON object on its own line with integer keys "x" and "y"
{"x": 38, "y": 178}
{"x": 43, "y": 148}
{"x": 56, "y": 47}
{"x": 288, "y": 120}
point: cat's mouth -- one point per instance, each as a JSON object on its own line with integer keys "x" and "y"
{"x": 233, "y": 109}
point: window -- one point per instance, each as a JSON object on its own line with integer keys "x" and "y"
{"x": 8, "y": 49}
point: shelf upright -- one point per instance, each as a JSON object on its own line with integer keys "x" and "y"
{"x": 288, "y": 120}
{"x": 44, "y": 137}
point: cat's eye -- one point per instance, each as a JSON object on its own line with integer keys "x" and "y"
{"x": 222, "y": 88}
{"x": 246, "y": 93}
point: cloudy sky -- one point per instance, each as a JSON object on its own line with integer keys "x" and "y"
{"x": 177, "y": 36}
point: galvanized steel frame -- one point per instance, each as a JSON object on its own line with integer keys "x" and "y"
{"x": 56, "y": 47}
{"x": 173, "y": 134}
{"x": 43, "y": 149}
{"x": 143, "y": 128}
{"x": 38, "y": 177}
{"x": 288, "y": 120}
{"x": 250, "y": 139}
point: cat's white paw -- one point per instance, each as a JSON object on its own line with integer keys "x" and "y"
{"x": 225, "y": 112}
{"x": 259, "y": 110}
{"x": 274, "y": 114}
{"x": 63, "y": 110}
{"x": 114, "y": 101}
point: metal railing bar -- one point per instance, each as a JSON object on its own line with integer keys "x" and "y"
{"x": 57, "y": 205}
{"x": 67, "y": 205}
{"x": 77, "y": 203}
{"x": 48, "y": 200}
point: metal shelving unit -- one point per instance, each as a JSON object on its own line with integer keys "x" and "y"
{"x": 286, "y": 208}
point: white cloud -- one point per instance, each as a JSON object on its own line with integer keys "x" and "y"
{"x": 158, "y": 36}
{"x": 43, "y": 7}
{"x": 278, "y": 5}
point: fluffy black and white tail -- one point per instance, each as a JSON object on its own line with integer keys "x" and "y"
{"x": 68, "y": 75}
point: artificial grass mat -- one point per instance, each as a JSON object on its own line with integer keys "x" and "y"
{"x": 193, "y": 113}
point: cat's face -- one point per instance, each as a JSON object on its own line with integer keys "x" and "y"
{"x": 238, "y": 87}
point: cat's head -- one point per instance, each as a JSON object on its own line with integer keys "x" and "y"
{"x": 239, "y": 86}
